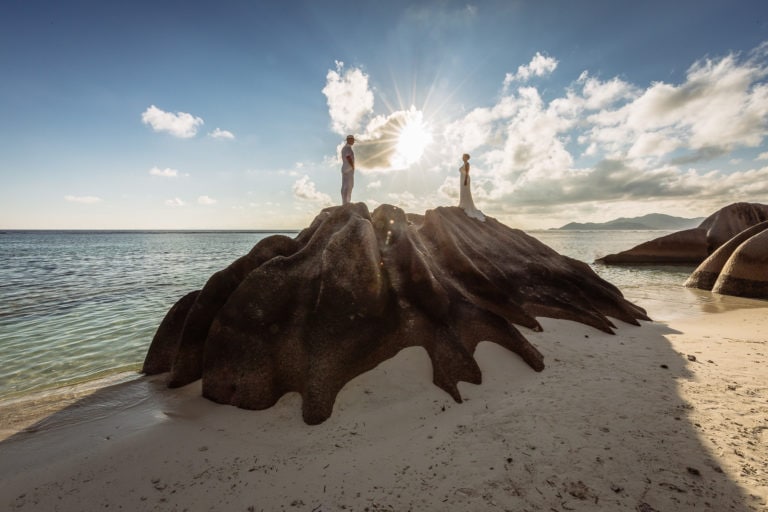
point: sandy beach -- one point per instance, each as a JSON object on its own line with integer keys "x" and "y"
{"x": 672, "y": 415}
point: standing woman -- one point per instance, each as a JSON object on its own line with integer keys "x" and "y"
{"x": 465, "y": 194}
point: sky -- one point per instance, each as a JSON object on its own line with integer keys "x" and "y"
{"x": 231, "y": 114}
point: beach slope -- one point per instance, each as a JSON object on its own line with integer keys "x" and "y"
{"x": 672, "y": 415}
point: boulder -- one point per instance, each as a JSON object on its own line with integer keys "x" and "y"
{"x": 349, "y": 292}
{"x": 707, "y": 273}
{"x": 682, "y": 247}
{"x": 728, "y": 222}
{"x": 745, "y": 274}
{"x": 692, "y": 246}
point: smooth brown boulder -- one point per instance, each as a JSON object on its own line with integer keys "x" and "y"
{"x": 311, "y": 313}
{"x": 728, "y": 222}
{"x": 746, "y": 272}
{"x": 692, "y": 246}
{"x": 706, "y": 274}
{"x": 188, "y": 321}
{"x": 682, "y": 247}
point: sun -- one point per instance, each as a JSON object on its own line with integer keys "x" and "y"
{"x": 412, "y": 140}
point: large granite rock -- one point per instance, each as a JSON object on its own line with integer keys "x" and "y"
{"x": 739, "y": 267}
{"x": 706, "y": 274}
{"x": 311, "y": 313}
{"x": 692, "y": 246}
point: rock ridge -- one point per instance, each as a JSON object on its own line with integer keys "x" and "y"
{"x": 309, "y": 314}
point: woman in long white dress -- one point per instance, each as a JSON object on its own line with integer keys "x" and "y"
{"x": 465, "y": 194}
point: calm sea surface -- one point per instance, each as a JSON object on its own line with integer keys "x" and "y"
{"x": 77, "y": 305}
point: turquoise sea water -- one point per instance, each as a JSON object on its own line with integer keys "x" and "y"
{"x": 77, "y": 305}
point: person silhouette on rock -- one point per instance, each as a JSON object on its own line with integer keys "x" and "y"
{"x": 465, "y": 193}
{"x": 347, "y": 170}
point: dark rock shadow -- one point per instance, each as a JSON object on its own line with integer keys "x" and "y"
{"x": 612, "y": 433}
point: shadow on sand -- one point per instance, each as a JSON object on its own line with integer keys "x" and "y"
{"x": 603, "y": 427}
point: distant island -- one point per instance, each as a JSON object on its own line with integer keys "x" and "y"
{"x": 646, "y": 222}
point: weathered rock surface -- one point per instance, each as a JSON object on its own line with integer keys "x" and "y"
{"x": 746, "y": 272}
{"x": 739, "y": 267}
{"x": 692, "y": 246}
{"x": 311, "y": 313}
{"x": 706, "y": 274}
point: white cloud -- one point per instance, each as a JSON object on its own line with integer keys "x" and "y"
{"x": 180, "y": 124}
{"x": 304, "y": 189}
{"x": 384, "y": 144}
{"x": 164, "y": 173}
{"x": 374, "y": 185}
{"x": 601, "y": 143}
{"x": 643, "y": 144}
{"x": 722, "y": 105}
{"x": 597, "y": 94}
{"x": 522, "y": 136}
{"x": 655, "y": 144}
{"x": 174, "y": 202}
{"x": 218, "y": 133}
{"x": 405, "y": 200}
{"x": 349, "y": 98}
{"x": 540, "y": 65}
{"x": 205, "y": 200}
{"x": 82, "y": 199}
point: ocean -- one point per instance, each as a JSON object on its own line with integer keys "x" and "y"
{"x": 82, "y": 305}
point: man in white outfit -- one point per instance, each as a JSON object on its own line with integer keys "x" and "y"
{"x": 347, "y": 170}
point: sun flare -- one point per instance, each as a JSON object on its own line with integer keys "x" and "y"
{"x": 413, "y": 139}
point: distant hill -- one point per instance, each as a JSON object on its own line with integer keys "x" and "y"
{"x": 650, "y": 221}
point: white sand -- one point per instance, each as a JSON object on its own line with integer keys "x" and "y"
{"x": 624, "y": 422}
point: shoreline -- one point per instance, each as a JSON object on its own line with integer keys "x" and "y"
{"x": 670, "y": 415}
{"x": 20, "y": 412}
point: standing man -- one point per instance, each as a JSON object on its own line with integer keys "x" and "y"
{"x": 347, "y": 170}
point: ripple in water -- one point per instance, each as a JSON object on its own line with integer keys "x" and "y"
{"x": 77, "y": 305}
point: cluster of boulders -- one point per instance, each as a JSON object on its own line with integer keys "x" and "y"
{"x": 730, "y": 247}
{"x": 310, "y": 313}
{"x": 738, "y": 267}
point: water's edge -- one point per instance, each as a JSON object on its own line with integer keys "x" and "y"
{"x": 82, "y": 307}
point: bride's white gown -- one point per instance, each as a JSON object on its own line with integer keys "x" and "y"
{"x": 465, "y": 196}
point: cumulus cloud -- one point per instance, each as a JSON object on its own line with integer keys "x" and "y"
{"x": 722, "y": 105}
{"x": 644, "y": 141}
{"x": 180, "y": 124}
{"x": 218, "y": 133}
{"x": 383, "y": 142}
{"x": 83, "y": 199}
{"x": 304, "y": 189}
{"x": 522, "y": 136}
{"x": 349, "y": 98}
{"x": 590, "y": 93}
{"x": 405, "y": 200}
{"x": 540, "y": 65}
{"x": 603, "y": 141}
{"x": 394, "y": 141}
{"x": 164, "y": 173}
{"x": 206, "y": 200}
{"x": 174, "y": 202}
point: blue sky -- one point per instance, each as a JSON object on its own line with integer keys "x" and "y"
{"x": 230, "y": 115}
